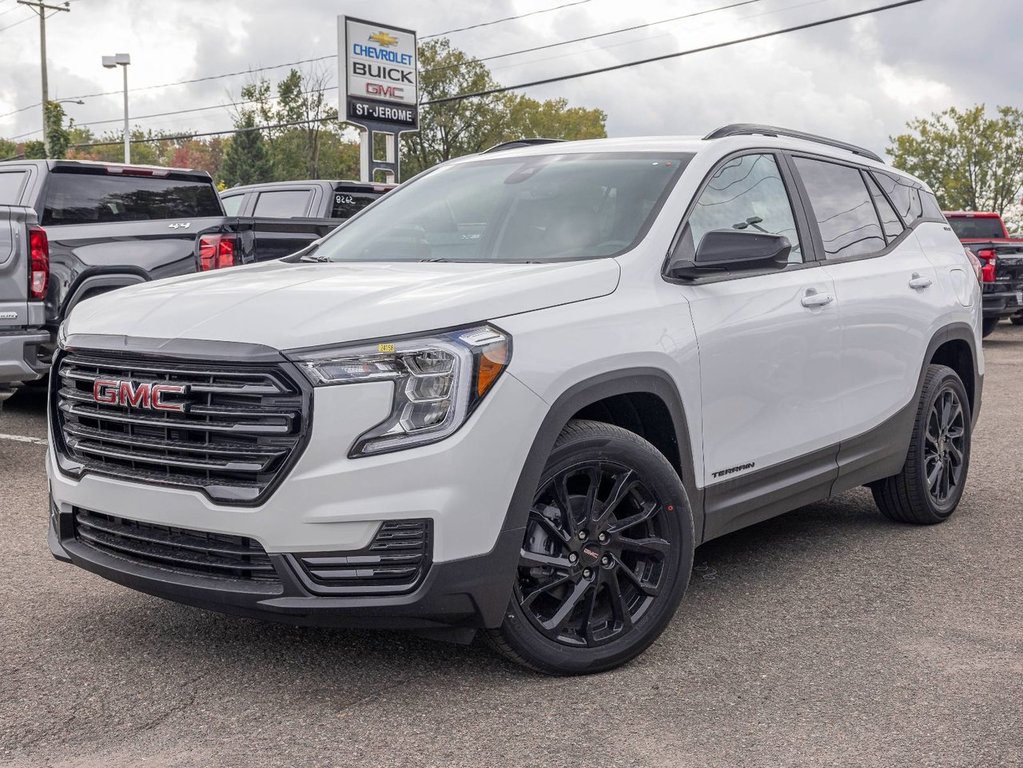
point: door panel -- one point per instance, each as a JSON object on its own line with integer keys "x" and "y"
{"x": 770, "y": 369}
{"x": 887, "y": 325}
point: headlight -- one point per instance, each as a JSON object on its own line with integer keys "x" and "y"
{"x": 438, "y": 381}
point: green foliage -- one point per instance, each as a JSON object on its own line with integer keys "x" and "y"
{"x": 972, "y": 162}
{"x": 246, "y": 160}
{"x": 57, "y": 134}
{"x": 300, "y": 126}
{"x": 470, "y": 125}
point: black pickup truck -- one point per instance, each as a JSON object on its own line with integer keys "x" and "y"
{"x": 1001, "y": 258}
{"x": 108, "y": 226}
{"x": 278, "y": 218}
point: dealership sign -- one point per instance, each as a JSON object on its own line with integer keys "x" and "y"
{"x": 381, "y": 81}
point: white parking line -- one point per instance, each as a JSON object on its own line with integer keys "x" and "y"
{"x": 23, "y": 439}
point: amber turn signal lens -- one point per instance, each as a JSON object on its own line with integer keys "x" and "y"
{"x": 492, "y": 362}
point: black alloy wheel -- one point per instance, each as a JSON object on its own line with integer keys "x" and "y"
{"x": 606, "y": 554}
{"x": 593, "y": 559}
{"x": 933, "y": 476}
{"x": 945, "y": 448}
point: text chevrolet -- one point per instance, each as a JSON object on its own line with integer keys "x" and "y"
{"x": 515, "y": 393}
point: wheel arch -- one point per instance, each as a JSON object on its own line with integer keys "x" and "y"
{"x": 630, "y": 398}
{"x": 955, "y": 346}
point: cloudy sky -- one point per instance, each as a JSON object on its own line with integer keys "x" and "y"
{"x": 860, "y": 80}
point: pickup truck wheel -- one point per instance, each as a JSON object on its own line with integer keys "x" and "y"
{"x": 928, "y": 489}
{"x": 989, "y": 324}
{"x": 606, "y": 556}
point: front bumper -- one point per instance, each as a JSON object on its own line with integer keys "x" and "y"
{"x": 23, "y": 355}
{"x": 329, "y": 503}
{"x": 453, "y": 600}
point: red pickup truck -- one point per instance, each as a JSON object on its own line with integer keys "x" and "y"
{"x": 1001, "y": 259}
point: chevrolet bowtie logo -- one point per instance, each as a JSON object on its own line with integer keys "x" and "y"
{"x": 384, "y": 39}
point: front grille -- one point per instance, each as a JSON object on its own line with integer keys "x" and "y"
{"x": 176, "y": 549}
{"x": 241, "y": 426}
{"x": 394, "y": 562}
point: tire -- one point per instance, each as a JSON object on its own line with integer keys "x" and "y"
{"x": 988, "y": 326}
{"x": 606, "y": 557}
{"x": 941, "y": 438}
{"x": 1017, "y": 319}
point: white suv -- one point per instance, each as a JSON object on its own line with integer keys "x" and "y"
{"x": 517, "y": 392}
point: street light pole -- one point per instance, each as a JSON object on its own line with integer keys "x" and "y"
{"x": 40, "y": 7}
{"x": 111, "y": 62}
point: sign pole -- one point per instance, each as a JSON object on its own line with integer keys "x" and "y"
{"x": 378, "y": 65}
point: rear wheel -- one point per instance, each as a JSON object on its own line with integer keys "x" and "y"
{"x": 932, "y": 480}
{"x": 989, "y": 325}
{"x": 606, "y": 557}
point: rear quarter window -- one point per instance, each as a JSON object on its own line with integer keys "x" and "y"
{"x": 11, "y": 183}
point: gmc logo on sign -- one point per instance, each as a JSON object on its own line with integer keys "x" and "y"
{"x": 389, "y": 91}
{"x": 144, "y": 394}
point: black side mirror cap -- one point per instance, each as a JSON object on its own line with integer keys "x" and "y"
{"x": 724, "y": 251}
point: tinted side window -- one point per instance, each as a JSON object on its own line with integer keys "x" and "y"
{"x": 929, "y": 203}
{"x": 746, "y": 193}
{"x": 283, "y": 204}
{"x": 842, "y": 207}
{"x": 903, "y": 194}
{"x": 232, "y": 204}
{"x": 10, "y": 187}
{"x": 889, "y": 220}
{"x": 347, "y": 204}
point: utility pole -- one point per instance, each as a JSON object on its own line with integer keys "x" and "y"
{"x": 41, "y": 8}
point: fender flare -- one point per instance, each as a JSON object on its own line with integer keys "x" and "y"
{"x": 105, "y": 282}
{"x": 653, "y": 381}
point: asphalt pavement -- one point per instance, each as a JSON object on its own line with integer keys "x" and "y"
{"x": 826, "y": 637}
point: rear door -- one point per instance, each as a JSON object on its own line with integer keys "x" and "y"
{"x": 280, "y": 220}
{"x": 887, "y": 291}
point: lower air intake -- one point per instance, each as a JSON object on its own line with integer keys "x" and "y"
{"x": 395, "y": 562}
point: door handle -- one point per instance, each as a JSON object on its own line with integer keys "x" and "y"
{"x": 918, "y": 282}
{"x": 814, "y": 299}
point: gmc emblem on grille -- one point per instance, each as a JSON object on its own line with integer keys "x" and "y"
{"x": 143, "y": 394}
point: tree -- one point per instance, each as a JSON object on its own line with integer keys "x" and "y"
{"x": 296, "y": 118}
{"x": 57, "y": 134}
{"x": 246, "y": 160}
{"x": 465, "y": 126}
{"x": 972, "y": 162}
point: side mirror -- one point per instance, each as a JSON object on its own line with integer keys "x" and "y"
{"x": 723, "y": 251}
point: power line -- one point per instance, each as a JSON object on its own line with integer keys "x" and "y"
{"x": 666, "y": 56}
{"x": 529, "y": 50}
{"x": 279, "y": 66}
{"x": 448, "y": 99}
{"x": 598, "y": 35}
{"x": 501, "y": 21}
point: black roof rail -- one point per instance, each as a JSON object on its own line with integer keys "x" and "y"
{"x": 517, "y": 143}
{"x": 748, "y": 129}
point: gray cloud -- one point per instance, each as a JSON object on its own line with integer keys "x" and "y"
{"x": 860, "y": 80}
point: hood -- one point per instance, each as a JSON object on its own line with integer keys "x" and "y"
{"x": 288, "y": 305}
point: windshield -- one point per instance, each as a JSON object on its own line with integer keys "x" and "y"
{"x": 538, "y": 208}
{"x": 977, "y": 228}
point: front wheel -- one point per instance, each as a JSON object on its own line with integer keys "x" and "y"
{"x": 931, "y": 482}
{"x": 988, "y": 326}
{"x": 606, "y": 556}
